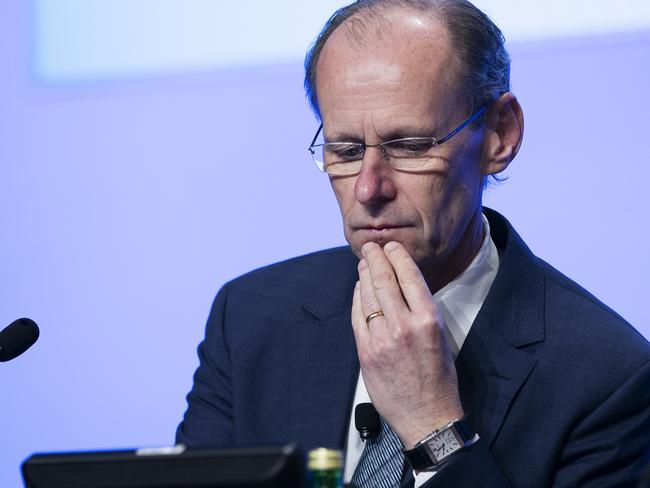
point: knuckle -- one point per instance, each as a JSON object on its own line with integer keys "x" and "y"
{"x": 429, "y": 315}
{"x": 382, "y": 350}
{"x": 397, "y": 335}
{"x": 384, "y": 280}
{"x": 424, "y": 321}
{"x": 370, "y": 302}
{"x": 411, "y": 276}
{"x": 403, "y": 341}
{"x": 396, "y": 339}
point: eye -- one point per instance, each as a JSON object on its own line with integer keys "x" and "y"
{"x": 343, "y": 152}
{"x": 409, "y": 148}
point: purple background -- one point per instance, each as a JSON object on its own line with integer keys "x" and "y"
{"x": 125, "y": 205}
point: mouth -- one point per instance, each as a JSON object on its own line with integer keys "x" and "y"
{"x": 380, "y": 234}
{"x": 381, "y": 228}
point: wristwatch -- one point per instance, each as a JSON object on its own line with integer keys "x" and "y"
{"x": 442, "y": 443}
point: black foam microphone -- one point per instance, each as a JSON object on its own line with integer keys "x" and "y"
{"x": 366, "y": 420}
{"x": 16, "y": 338}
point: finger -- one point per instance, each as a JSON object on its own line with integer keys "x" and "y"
{"x": 368, "y": 299}
{"x": 384, "y": 282}
{"x": 358, "y": 318}
{"x": 411, "y": 282}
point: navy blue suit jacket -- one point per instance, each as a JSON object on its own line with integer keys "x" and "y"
{"x": 556, "y": 384}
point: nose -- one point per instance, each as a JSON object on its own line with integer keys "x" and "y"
{"x": 375, "y": 183}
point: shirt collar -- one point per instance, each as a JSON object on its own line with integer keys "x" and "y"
{"x": 461, "y": 299}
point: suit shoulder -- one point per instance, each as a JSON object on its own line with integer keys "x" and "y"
{"x": 314, "y": 285}
{"x": 572, "y": 311}
{"x": 327, "y": 261}
{"x": 322, "y": 279}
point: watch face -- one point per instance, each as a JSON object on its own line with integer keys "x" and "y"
{"x": 443, "y": 444}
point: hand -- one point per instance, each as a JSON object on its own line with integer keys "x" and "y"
{"x": 405, "y": 360}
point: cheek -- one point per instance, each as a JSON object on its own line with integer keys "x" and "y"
{"x": 446, "y": 202}
{"x": 430, "y": 195}
{"x": 344, "y": 192}
{"x": 464, "y": 181}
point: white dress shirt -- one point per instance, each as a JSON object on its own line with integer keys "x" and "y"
{"x": 459, "y": 303}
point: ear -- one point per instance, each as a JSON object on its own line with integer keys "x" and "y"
{"x": 504, "y": 131}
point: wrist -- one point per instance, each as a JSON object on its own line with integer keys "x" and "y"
{"x": 424, "y": 426}
{"x": 441, "y": 445}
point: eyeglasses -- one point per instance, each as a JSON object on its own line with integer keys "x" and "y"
{"x": 404, "y": 154}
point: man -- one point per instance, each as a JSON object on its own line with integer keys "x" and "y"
{"x": 487, "y": 366}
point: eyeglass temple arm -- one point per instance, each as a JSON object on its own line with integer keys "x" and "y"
{"x": 320, "y": 128}
{"x": 462, "y": 126}
{"x": 440, "y": 141}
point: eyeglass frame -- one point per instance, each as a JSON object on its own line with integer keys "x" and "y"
{"x": 381, "y": 145}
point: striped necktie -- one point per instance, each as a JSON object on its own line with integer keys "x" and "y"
{"x": 381, "y": 462}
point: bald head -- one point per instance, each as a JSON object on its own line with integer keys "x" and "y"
{"x": 478, "y": 56}
{"x": 371, "y": 25}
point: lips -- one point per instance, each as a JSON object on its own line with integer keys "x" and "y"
{"x": 379, "y": 229}
{"x": 379, "y": 233}
{"x": 379, "y": 226}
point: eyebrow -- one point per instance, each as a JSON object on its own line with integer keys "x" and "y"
{"x": 341, "y": 137}
{"x": 404, "y": 132}
{"x": 397, "y": 133}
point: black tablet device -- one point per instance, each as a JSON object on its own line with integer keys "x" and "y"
{"x": 168, "y": 467}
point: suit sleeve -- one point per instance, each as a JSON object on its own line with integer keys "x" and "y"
{"x": 472, "y": 467}
{"x": 208, "y": 421}
{"x": 609, "y": 447}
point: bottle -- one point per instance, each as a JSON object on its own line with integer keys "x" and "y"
{"x": 325, "y": 468}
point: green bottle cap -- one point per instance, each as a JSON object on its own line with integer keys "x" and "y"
{"x": 322, "y": 458}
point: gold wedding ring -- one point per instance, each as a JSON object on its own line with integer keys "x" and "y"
{"x": 378, "y": 313}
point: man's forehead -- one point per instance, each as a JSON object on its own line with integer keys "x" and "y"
{"x": 406, "y": 71}
{"x": 401, "y": 45}
{"x": 399, "y": 30}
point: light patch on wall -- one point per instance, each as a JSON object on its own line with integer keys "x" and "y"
{"x": 97, "y": 39}
{"x": 532, "y": 20}
{"x": 77, "y": 40}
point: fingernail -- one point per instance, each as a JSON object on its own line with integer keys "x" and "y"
{"x": 363, "y": 264}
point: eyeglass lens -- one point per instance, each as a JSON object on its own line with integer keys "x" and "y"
{"x": 413, "y": 154}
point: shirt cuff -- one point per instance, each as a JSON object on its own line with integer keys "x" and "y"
{"x": 422, "y": 477}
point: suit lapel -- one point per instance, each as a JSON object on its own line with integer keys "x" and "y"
{"x": 493, "y": 363}
{"x": 490, "y": 373}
